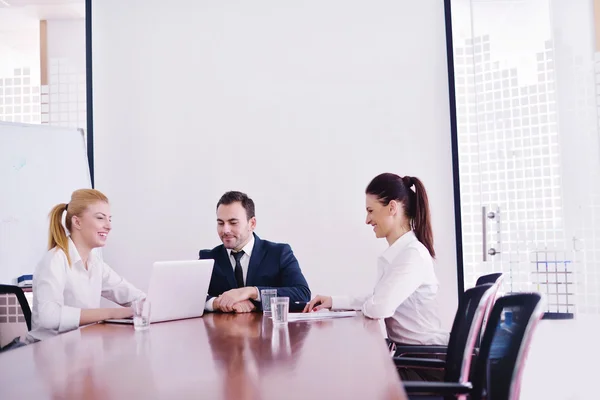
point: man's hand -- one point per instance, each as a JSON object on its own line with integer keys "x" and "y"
{"x": 244, "y": 306}
{"x": 226, "y": 301}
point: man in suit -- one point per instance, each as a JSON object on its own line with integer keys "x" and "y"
{"x": 246, "y": 264}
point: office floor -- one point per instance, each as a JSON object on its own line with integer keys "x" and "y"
{"x": 563, "y": 359}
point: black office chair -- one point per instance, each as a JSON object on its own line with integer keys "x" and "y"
{"x": 490, "y": 278}
{"x": 204, "y": 254}
{"x": 465, "y": 330}
{"x": 440, "y": 350}
{"x": 499, "y": 369}
{"x": 15, "y": 314}
{"x": 6, "y": 291}
{"x": 496, "y": 279}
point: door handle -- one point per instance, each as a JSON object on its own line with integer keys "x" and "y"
{"x": 492, "y": 252}
{"x": 485, "y": 216}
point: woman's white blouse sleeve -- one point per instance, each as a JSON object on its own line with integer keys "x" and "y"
{"x": 117, "y": 289}
{"x": 398, "y": 280}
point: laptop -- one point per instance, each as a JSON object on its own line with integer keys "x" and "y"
{"x": 177, "y": 290}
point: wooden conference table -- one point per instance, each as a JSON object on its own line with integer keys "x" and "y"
{"x": 218, "y": 356}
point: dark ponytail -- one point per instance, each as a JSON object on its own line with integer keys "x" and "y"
{"x": 388, "y": 187}
{"x": 421, "y": 217}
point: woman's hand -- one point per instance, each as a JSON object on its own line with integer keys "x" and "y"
{"x": 91, "y": 315}
{"x": 122, "y": 312}
{"x": 318, "y": 303}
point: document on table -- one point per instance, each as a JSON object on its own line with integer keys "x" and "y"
{"x": 316, "y": 315}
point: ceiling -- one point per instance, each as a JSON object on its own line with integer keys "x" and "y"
{"x": 14, "y": 13}
{"x": 20, "y": 21}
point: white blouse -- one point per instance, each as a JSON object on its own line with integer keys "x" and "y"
{"x": 60, "y": 291}
{"x": 404, "y": 294}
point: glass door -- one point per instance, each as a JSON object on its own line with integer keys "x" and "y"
{"x": 529, "y": 149}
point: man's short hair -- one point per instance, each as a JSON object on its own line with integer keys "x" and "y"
{"x": 233, "y": 197}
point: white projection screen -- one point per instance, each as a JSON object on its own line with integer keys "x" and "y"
{"x": 297, "y": 103}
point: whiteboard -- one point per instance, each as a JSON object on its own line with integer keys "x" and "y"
{"x": 40, "y": 166}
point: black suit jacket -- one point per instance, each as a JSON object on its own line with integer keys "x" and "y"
{"x": 272, "y": 266}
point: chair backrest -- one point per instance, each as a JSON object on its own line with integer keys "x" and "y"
{"x": 464, "y": 333}
{"x": 204, "y": 254}
{"x": 495, "y": 279}
{"x": 504, "y": 347}
{"x": 490, "y": 278}
{"x": 15, "y": 314}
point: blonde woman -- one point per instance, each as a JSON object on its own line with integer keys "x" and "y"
{"x": 71, "y": 278}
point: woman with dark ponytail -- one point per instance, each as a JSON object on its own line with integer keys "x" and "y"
{"x": 404, "y": 296}
{"x": 71, "y": 278}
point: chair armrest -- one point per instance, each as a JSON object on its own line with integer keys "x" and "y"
{"x": 415, "y": 362}
{"x": 439, "y": 388}
{"x": 401, "y": 350}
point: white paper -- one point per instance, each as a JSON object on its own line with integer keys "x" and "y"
{"x": 320, "y": 315}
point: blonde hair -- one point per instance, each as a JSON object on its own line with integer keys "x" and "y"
{"x": 80, "y": 200}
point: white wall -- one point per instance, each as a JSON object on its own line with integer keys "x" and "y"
{"x": 298, "y": 104}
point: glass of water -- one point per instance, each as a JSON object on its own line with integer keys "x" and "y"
{"x": 279, "y": 309}
{"x": 265, "y": 297}
{"x": 141, "y": 314}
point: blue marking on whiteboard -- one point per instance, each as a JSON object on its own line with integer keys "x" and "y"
{"x": 20, "y": 164}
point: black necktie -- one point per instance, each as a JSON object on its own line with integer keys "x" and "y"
{"x": 239, "y": 275}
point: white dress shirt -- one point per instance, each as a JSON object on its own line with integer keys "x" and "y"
{"x": 245, "y": 259}
{"x": 404, "y": 294}
{"x": 244, "y": 262}
{"x": 60, "y": 291}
